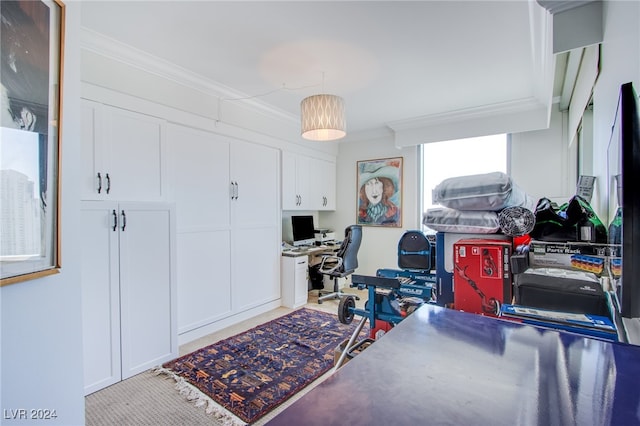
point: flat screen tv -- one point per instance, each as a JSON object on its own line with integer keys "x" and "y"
{"x": 303, "y": 230}
{"x": 623, "y": 165}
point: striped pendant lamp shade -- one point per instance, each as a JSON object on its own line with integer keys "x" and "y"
{"x": 322, "y": 117}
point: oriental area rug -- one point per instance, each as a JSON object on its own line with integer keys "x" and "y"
{"x": 253, "y": 372}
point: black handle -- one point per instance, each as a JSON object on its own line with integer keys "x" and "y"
{"x": 108, "y": 183}
{"x": 124, "y": 220}
{"x": 99, "y": 183}
{"x": 237, "y": 190}
{"x": 115, "y": 220}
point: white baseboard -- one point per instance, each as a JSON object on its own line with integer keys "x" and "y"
{"x": 199, "y": 332}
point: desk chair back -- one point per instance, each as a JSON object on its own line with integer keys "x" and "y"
{"x": 344, "y": 262}
{"x": 348, "y": 251}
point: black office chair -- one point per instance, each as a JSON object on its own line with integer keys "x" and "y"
{"x": 341, "y": 264}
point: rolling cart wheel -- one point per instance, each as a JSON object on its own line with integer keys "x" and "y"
{"x": 344, "y": 314}
{"x": 496, "y": 309}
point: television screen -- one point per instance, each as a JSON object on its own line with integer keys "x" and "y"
{"x": 303, "y": 230}
{"x": 624, "y": 204}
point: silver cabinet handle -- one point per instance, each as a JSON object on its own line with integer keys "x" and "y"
{"x": 108, "y": 183}
{"x": 124, "y": 220}
{"x": 237, "y": 190}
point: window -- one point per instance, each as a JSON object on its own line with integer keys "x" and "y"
{"x": 442, "y": 160}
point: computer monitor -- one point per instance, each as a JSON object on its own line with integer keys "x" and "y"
{"x": 303, "y": 230}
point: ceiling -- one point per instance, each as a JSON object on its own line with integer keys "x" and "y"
{"x": 393, "y": 62}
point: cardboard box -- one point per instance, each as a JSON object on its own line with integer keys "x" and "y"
{"x": 482, "y": 278}
{"x": 356, "y": 349}
{"x": 337, "y": 352}
{"x": 444, "y": 262}
{"x": 589, "y": 257}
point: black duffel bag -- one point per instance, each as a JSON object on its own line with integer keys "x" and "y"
{"x": 572, "y": 221}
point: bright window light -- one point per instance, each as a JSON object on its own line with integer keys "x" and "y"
{"x": 462, "y": 157}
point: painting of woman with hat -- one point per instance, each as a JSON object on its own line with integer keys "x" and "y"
{"x": 379, "y": 192}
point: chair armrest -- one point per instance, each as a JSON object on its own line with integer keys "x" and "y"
{"x": 327, "y": 264}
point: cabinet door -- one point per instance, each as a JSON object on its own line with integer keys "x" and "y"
{"x": 198, "y": 178}
{"x": 296, "y": 182}
{"x": 93, "y": 181}
{"x": 198, "y": 181}
{"x": 255, "y": 172}
{"x": 301, "y": 288}
{"x": 290, "y": 198}
{"x": 204, "y": 278}
{"x": 304, "y": 182}
{"x": 256, "y": 278}
{"x": 322, "y": 190}
{"x": 133, "y": 155}
{"x": 147, "y": 290}
{"x": 326, "y": 178}
{"x": 100, "y": 295}
{"x": 294, "y": 274}
{"x": 256, "y": 225}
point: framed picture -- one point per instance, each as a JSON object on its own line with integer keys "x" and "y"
{"x": 32, "y": 35}
{"x": 379, "y": 185}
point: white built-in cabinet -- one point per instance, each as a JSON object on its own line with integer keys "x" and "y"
{"x": 295, "y": 281}
{"x": 323, "y": 192}
{"x": 128, "y": 289}
{"x": 308, "y": 183}
{"x": 122, "y": 154}
{"x": 228, "y": 226}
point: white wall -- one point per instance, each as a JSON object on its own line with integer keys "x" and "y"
{"x": 379, "y": 244}
{"x": 620, "y": 63}
{"x": 41, "y": 325}
{"x": 542, "y": 163}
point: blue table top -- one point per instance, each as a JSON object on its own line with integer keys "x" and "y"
{"x": 440, "y": 366}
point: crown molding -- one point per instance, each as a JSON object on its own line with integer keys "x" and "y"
{"x": 110, "y": 48}
{"x": 474, "y": 113}
{"x": 558, "y": 6}
{"x": 506, "y": 117}
{"x": 510, "y": 116}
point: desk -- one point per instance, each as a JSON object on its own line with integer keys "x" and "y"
{"x": 440, "y": 366}
{"x": 314, "y": 253}
{"x": 295, "y": 273}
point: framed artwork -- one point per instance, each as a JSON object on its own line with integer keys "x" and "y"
{"x": 32, "y": 35}
{"x": 379, "y": 184}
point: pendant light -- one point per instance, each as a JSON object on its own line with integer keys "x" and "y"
{"x": 322, "y": 117}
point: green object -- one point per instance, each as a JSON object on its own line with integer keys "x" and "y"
{"x": 615, "y": 228}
